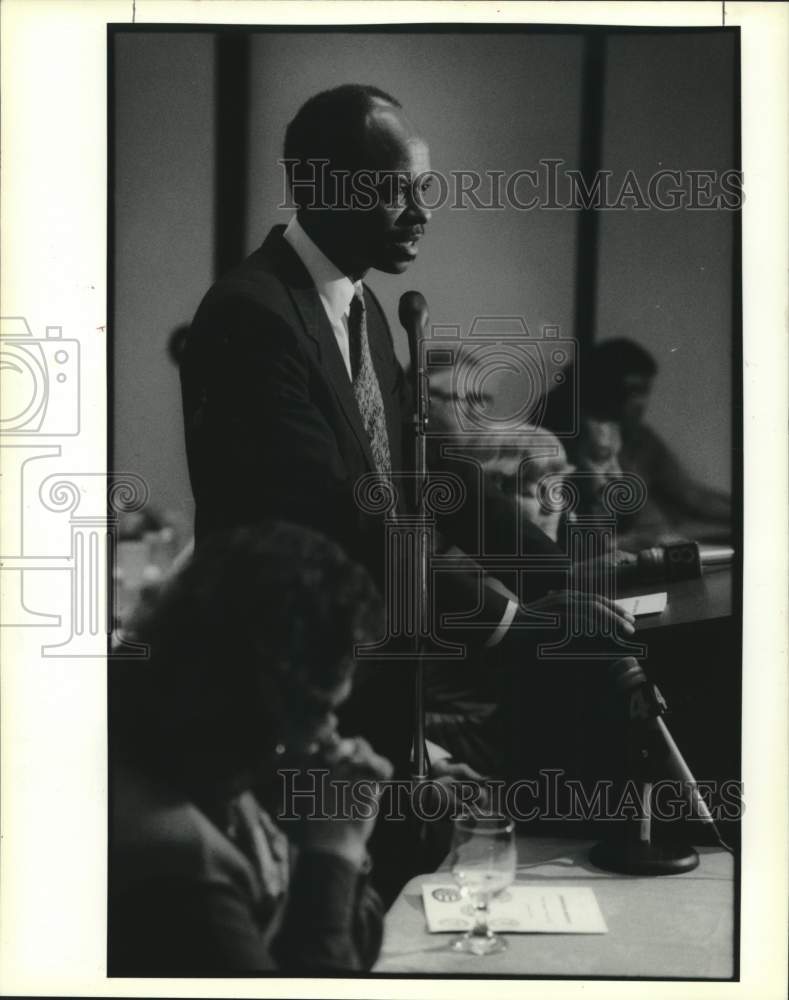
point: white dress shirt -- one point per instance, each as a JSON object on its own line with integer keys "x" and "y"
{"x": 336, "y": 290}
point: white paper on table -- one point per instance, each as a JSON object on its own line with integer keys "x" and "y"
{"x": 645, "y": 604}
{"x": 519, "y": 909}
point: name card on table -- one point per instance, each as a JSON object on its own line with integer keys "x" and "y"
{"x": 519, "y": 909}
{"x": 646, "y": 604}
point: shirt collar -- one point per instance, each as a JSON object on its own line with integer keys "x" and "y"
{"x": 335, "y": 289}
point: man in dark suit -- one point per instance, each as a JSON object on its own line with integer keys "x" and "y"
{"x": 291, "y": 387}
{"x": 271, "y": 371}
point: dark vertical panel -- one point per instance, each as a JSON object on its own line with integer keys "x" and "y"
{"x": 737, "y": 480}
{"x": 232, "y": 142}
{"x": 592, "y": 98}
{"x": 111, "y": 274}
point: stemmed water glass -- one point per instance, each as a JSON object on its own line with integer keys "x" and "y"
{"x": 483, "y": 864}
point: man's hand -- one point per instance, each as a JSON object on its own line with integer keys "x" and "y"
{"x": 586, "y": 610}
{"x": 454, "y": 781}
{"x": 350, "y": 807}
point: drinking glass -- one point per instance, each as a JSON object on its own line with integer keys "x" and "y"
{"x": 483, "y": 863}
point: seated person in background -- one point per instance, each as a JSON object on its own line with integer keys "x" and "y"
{"x": 508, "y": 508}
{"x": 507, "y": 512}
{"x": 502, "y": 515}
{"x": 250, "y": 655}
{"x": 615, "y": 386}
{"x": 512, "y": 471}
{"x": 597, "y": 453}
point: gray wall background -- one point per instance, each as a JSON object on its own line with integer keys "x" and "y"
{"x": 164, "y": 174}
{"x": 487, "y": 102}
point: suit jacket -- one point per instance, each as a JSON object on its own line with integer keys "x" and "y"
{"x": 272, "y": 425}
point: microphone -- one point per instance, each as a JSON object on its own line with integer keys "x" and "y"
{"x": 646, "y": 706}
{"x": 681, "y": 560}
{"x": 716, "y": 555}
{"x": 414, "y": 318}
{"x": 654, "y": 757}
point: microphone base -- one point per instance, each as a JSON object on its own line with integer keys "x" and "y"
{"x": 640, "y": 858}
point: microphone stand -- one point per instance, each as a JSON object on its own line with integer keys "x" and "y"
{"x": 652, "y": 754}
{"x": 414, "y": 318}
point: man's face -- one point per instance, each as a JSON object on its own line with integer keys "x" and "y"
{"x": 636, "y": 390}
{"x": 519, "y": 483}
{"x": 386, "y": 236}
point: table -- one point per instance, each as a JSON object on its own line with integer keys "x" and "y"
{"x": 678, "y": 926}
{"x": 707, "y": 598}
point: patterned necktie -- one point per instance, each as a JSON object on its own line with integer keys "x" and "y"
{"x": 365, "y": 386}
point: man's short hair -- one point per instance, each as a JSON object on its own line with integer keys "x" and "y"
{"x": 330, "y": 126}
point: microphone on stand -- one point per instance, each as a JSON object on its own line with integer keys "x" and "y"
{"x": 414, "y": 317}
{"x": 681, "y": 560}
{"x": 646, "y": 706}
{"x": 658, "y": 759}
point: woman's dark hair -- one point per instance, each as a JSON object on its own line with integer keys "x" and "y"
{"x": 330, "y": 126}
{"x": 604, "y": 391}
{"x": 615, "y": 358}
{"x": 601, "y": 388}
{"x": 257, "y": 617}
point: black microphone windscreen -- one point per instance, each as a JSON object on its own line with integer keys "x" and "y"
{"x": 412, "y": 311}
{"x": 413, "y": 318}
